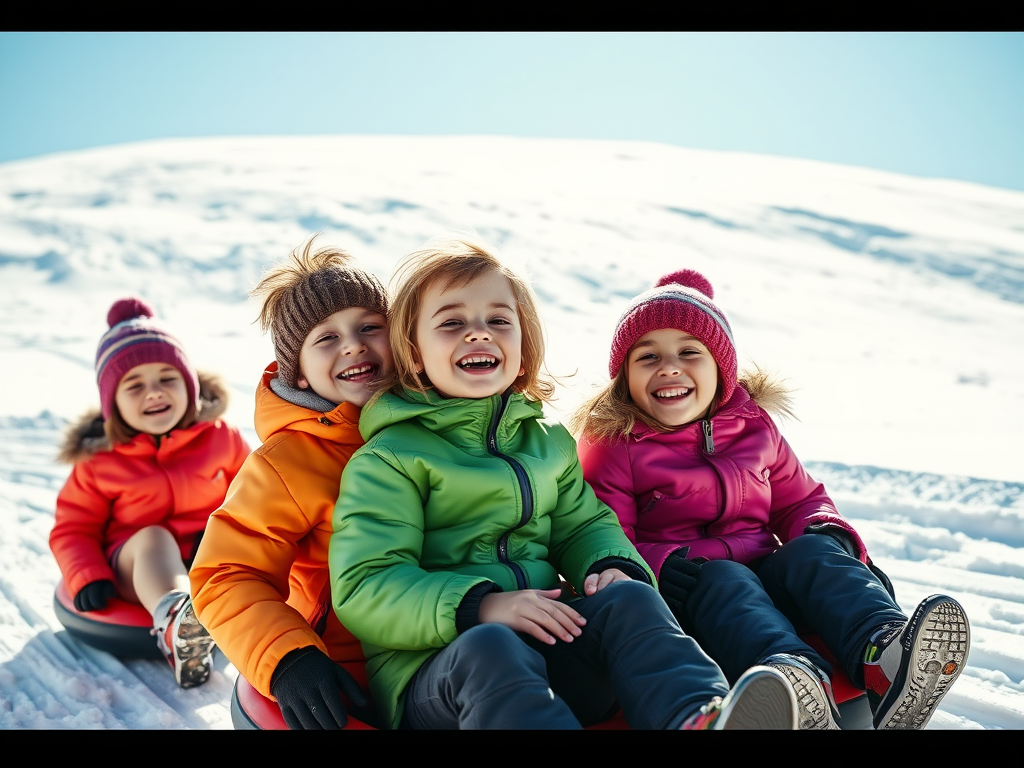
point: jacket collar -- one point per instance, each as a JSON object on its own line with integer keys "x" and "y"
{"x": 280, "y": 407}
{"x": 740, "y": 404}
{"x": 455, "y": 418}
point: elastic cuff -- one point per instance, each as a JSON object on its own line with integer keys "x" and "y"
{"x": 467, "y": 615}
{"x": 628, "y": 567}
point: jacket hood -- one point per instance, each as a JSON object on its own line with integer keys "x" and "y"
{"x": 443, "y": 415}
{"x": 84, "y": 437}
{"x": 275, "y": 413}
{"x": 768, "y": 391}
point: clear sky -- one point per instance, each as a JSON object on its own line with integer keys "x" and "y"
{"x": 934, "y": 104}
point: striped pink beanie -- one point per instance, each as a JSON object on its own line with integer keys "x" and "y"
{"x": 679, "y": 300}
{"x": 134, "y": 339}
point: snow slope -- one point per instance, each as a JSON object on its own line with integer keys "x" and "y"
{"x": 893, "y": 305}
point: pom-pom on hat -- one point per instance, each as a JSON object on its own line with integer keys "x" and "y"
{"x": 134, "y": 339}
{"x": 679, "y": 300}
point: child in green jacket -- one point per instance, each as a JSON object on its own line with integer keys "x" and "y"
{"x": 462, "y": 513}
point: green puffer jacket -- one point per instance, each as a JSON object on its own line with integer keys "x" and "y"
{"x": 445, "y": 495}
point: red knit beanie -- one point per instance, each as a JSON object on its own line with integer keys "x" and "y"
{"x": 679, "y": 300}
{"x": 134, "y": 339}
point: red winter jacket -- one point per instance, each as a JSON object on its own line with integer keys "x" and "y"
{"x": 739, "y": 501}
{"x": 114, "y": 491}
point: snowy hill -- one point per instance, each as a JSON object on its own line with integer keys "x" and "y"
{"x": 893, "y": 305}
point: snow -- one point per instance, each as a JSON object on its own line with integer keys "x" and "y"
{"x": 894, "y": 306}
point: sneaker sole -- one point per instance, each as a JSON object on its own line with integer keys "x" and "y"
{"x": 813, "y": 710}
{"x": 935, "y": 647}
{"x": 193, "y": 650}
{"x": 761, "y": 700}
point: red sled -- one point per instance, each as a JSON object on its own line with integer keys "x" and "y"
{"x": 121, "y": 628}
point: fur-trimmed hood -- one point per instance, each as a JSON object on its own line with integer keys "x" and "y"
{"x": 768, "y": 391}
{"x": 84, "y": 437}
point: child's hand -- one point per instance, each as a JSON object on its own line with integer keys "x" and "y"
{"x": 537, "y": 612}
{"x": 595, "y": 582}
{"x": 94, "y": 595}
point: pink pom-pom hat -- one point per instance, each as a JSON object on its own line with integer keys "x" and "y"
{"x": 135, "y": 338}
{"x": 679, "y": 300}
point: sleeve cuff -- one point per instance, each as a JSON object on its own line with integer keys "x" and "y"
{"x": 628, "y": 567}
{"x": 467, "y": 615}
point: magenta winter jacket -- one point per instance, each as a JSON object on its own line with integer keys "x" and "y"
{"x": 738, "y": 494}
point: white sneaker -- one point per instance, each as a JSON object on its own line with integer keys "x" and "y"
{"x": 815, "y": 702}
{"x": 762, "y": 699}
{"x": 908, "y": 669}
{"x": 185, "y": 643}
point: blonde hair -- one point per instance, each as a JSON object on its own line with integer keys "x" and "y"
{"x": 457, "y": 261}
{"x": 611, "y": 414}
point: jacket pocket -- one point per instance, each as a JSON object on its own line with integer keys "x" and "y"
{"x": 649, "y": 502}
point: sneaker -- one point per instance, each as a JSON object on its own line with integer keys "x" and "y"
{"x": 185, "y": 643}
{"x": 762, "y": 699}
{"x": 815, "y": 703}
{"x": 909, "y": 668}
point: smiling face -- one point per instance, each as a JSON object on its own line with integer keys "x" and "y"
{"x": 672, "y": 376}
{"x": 468, "y": 338}
{"x": 342, "y": 355}
{"x": 152, "y": 398}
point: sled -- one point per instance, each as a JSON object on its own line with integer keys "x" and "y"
{"x": 121, "y": 628}
{"x": 251, "y": 710}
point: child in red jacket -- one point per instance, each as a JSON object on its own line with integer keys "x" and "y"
{"x": 148, "y": 470}
{"x": 695, "y": 468}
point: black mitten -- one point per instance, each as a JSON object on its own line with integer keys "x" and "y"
{"x": 94, "y": 595}
{"x": 836, "y": 533}
{"x": 308, "y": 687}
{"x": 678, "y": 578}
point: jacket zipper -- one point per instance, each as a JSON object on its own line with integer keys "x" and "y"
{"x": 524, "y": 486}
{"x": 709, "y": 441}
{"x": 709, "y": 450}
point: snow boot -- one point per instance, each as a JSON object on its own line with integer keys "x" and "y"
{"x": 762, "y": 699}
{"x": 813, "y": 689}
{"x": 185, "y": 643}
{"x": 909, "y": 668}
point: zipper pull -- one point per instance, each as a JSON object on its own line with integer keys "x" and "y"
{"x": 325, "y": 421}
{"x": 709, "y": 441}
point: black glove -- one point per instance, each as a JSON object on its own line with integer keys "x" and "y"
{"x": 678, "y": 578}
{"x": 836, "y": 533}
{"x": 94, "y": 595}
{"x": 308, "y": 687}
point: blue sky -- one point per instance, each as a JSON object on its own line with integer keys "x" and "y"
{"x": 934, "y": 104}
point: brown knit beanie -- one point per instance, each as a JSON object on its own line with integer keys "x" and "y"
{"x": 313, "y": 299}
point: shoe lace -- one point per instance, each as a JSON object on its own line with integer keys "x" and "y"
{"x": 704, "y": 718}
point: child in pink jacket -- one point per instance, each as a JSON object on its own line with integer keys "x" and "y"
{"x": 748, "y": 549}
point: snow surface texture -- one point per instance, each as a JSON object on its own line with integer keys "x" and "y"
{"x": 893, "y": 305}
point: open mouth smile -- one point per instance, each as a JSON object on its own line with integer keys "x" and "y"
{"x": 156, "y": 410}
{"x": 478, "y": 363}
{"x": 672, "y": 393}
{"x": 358, "y": 373}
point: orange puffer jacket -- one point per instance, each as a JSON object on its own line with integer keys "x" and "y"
{"x": 260, "y": 581}
{"x": 114, "y": 491}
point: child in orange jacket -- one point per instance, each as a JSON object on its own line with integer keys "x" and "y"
{"x": 260, "y": 578}
{"x": 148, "y": 470}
